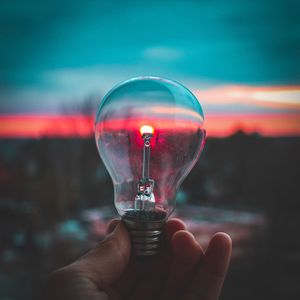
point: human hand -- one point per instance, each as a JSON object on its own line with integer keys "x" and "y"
{"x": 181, "y": 271}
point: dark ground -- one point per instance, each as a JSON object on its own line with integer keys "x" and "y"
{"x": 48, "y": 184}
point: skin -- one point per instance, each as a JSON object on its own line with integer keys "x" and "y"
{"x": 181, "y": 271}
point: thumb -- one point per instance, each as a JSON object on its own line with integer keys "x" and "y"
{"x": 106, "y": 263}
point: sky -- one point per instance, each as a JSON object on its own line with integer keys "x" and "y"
{"x": 240, "y": 58}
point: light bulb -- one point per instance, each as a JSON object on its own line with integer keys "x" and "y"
{"x": 149, "y": 133}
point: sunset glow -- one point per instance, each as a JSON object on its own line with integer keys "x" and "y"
{"x": 216, "y": 125}
{"x": 274, "y": 111}
{"x": 37, "y": 126}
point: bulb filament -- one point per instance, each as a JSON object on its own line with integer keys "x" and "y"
{"x": 144, "y": 199}
{"x": 146, "y": 156}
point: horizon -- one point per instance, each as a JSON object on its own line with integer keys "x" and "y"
{"x": 81, "y": 126}
{"x": 265, "y": 110}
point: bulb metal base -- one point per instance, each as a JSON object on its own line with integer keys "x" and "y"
{"x": 146, "y": 235}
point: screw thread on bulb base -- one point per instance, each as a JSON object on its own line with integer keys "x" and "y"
{"x": 146, "y": 236}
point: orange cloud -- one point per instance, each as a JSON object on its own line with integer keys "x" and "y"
{"x": 264, "y": 124}
{"x": 278, "y": 97}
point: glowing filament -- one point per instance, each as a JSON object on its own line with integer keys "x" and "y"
{"x": 146, "y": 129}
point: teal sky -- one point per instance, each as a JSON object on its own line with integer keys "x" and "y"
{"x": 59, "y": 52}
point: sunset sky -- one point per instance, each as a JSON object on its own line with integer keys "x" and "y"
{"x": 240, "y": 60}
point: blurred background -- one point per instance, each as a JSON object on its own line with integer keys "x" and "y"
{"x": 240, "y": 58}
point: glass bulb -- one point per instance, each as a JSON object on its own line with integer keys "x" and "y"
{"x": 149, "y": 133}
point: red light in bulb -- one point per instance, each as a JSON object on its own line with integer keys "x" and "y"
{"x": 146, "y": 129}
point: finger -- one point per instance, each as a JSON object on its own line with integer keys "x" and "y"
{"x": 209, "y": 278}
{"x": 106, "y": 263}
{"x": 172, "y": 226}
{"x": 94, "y": 271}
{"x": 187, "y": 254}
{"x": 112, "y": 225}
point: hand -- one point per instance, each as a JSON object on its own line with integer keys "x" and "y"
{"x": 181, "y": 271}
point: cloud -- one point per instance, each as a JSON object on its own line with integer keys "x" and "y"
{"x": 288, "y": 97}
{"x": 163, "y": 53}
